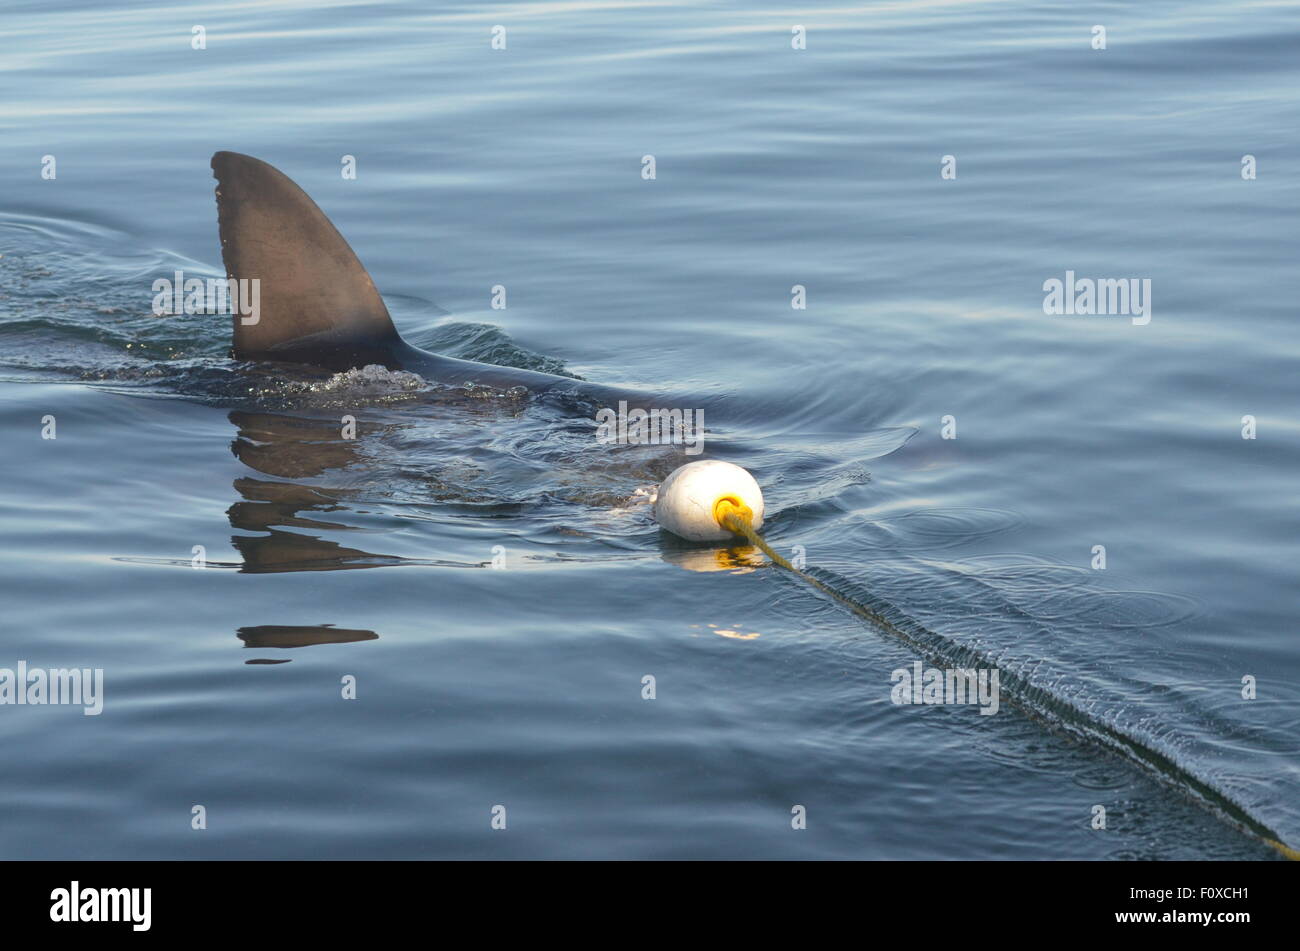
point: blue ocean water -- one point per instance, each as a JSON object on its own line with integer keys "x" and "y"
{"x": 371, "y": 559}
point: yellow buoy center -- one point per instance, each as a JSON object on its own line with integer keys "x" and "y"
{"x": 731, "y": 505}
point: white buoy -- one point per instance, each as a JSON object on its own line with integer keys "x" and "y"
{"x": 687, "y": 497}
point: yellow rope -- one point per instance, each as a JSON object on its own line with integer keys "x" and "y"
{"x": 736, "y": 517}
{"x": 1285, "y": 849}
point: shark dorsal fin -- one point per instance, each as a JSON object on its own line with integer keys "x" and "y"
{"x": 313, "y": 291}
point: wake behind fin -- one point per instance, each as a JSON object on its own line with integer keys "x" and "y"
{"x": 315, "y": 297}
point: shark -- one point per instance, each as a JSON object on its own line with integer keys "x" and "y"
{"x": 318, "y": 304}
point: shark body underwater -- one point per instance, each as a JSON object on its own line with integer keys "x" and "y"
{"x": 318, "y": 305}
